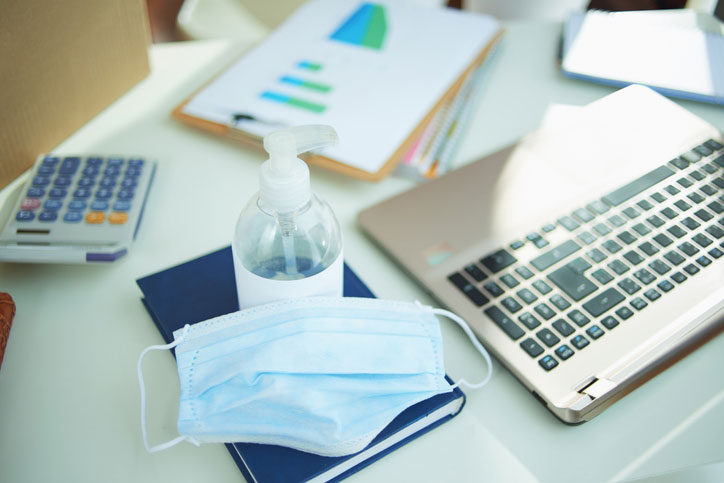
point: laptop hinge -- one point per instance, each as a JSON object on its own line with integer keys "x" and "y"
{"x": 597, "y": 388}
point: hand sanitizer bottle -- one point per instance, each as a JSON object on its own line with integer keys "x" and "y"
{"x": 287, "y": 242}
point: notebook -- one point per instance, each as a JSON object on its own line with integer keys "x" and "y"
{"x": 204, "y": 288}
{"x": 348, "y": 64}
{"x": 679, "y": 53}
{"x": 587, "y": 258}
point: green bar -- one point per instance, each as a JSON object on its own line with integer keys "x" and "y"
{"x": 309, "y": 65}
{"x": 310, "y": 106}
{"x": 376, "y": 29}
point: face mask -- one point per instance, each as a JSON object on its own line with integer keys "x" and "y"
{"x": 321, "y": 375}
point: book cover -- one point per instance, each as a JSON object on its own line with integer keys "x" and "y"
{"x": 204, "y": 288}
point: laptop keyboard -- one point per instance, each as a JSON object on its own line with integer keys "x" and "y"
{"x": 621, "y": 253}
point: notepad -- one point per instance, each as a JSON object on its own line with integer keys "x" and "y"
{"x": 204, "y": 288}
{"x": 676, "y": 53}
{"x": 376, "y": 72}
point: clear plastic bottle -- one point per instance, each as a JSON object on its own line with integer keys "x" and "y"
{"x": 287, "y": 241}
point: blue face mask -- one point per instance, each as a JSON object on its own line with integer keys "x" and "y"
{"x": 322, "y": 375}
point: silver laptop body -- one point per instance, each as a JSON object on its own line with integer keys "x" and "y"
{"x": 605, "y": 319}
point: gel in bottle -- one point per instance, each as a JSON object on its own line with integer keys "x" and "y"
{"x": 287, "y": 242}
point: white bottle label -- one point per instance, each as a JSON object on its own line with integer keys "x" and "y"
{"x": 254, "y": 290}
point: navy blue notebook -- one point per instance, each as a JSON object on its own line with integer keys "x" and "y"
{"x": 204, "y": 288}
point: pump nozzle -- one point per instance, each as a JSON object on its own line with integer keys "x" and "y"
{"x": 284, "y": 178}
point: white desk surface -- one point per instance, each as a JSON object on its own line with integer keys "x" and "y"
{"x": 69, "y": 398}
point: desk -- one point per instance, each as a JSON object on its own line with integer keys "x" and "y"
{"x": 69, "y": 398}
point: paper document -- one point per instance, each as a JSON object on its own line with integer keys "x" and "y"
{"x": 373, "y": 71}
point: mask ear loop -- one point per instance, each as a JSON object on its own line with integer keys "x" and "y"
{"x": 144, "y": 432}
{"x": 476, "y": 343}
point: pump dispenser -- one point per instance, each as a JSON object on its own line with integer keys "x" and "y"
{"x": 287, "y": 242}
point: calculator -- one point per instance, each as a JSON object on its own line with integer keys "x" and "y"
{"x": 76, "y": 209}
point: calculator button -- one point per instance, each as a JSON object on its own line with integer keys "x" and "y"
{"x": 107, "y": 182}
{"x": 41, "y": 181}
{"x": 69, "y": 166}
{"x": 53, "y": 205}
{"x": 57, "y": 193}
{"x": 129, "y": 183}
{"x": 126, "y": 206}
{"x": 125, "y": 194}
{"x": 104, "y": 194}
{"x": 94, "y": 161}
{"x": 136, "y": 162}
{"x": 62, "y": 181}
{"x": 118, "y": 218}
{"x": 77, "y": 205}
{"x": 115, "y": 162}
{"x": 46, "y": 170}
{"x": 51, "y": 161}
{"x": 86, "y": 182}
{"x": 24, "y": 215}
{"x": 99, "y": 205}
{"x": 30, "y": 204}
{"x": 133, "y": 172}
{"x": 73, "y": 217}
{"x": 111, "y": 171}
{"x": 95, "y": 217}
{"x": 90, "y": 171}
{"x": 35, "y": 193}
{"x": 48, "y": 216}
{"x": 81, "y": 193}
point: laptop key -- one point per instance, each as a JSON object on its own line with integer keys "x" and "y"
{"x": 648, "y": 248}
{"x": 609, "y": 322}
{"x": 691, "y": 269}
{"x": 529, "y": 320}
{"x": 475, "y": 272}
{"x": 531, "y": 347}
{"x": 578, "y": 317}
{"x": 542, "y": 287}
{"x": 603, "y": 302}
{"x": 624, "y": 313}
{"x": 703, "y": 215}
{"x": 594, "y": 331}
{"x": 638, "y": 303}
{"x": 511, "y": 304}
{"x": 644, "y": 276}
{"x": 618, "y": 267}
{"x": 702, "y": 240}
{"x": 597, "y": 206}
{"x": 659, "y": 267}
{"x": 494, "y": 289}
{"x": 504, "y": 322}
{"x": 563, "y": 327}
{"x": 524, "y": 272}
{"x": 655, "y": 221}
{"x": 568, "y": 223}
{"x": 665, "y": 285}
{"x": 602, "y": 276}
{"x": 564, "y": 352}
{"x": 611, "y": 246}
{"x": 475, "y": 295}
{"x": 635, "y": 187}
{"x": 547, "y": 337}
{"x": 596, "y": 255}
{"x": 560, "y": 302}
{"x": 663, "y": 240}
{"x": 629, "y": 286}
{"x": 527, "y": 296}
{"x": 499, "y": 260}
{"x": 688, "y": 248}
{"x": 509, "y": 280}
{"x": 677, "y": 231}
{"x": 652, "y": 294}
{"x": 544, "y": 311}
{"x": 548, "y": 362}
{"x": 555, "y": 255}
{"x": 679, "y": 277}
{"x": 703, "y": 261}
{"x": 716, "y": 207}
{"x": 573, "y": 284}
{"x": 579, "y": 342}
{"x": 633, "y": 257}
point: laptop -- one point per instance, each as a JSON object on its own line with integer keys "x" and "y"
{"x": 585, "y": 274}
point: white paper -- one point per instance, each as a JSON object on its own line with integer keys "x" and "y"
{"x": 378, "y": 97}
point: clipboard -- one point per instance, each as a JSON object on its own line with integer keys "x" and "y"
{"x": 335, "y": 17}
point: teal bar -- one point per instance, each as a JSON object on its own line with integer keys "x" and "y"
{"x": 293, "y": 101}
{"x": 315, "y": 86}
